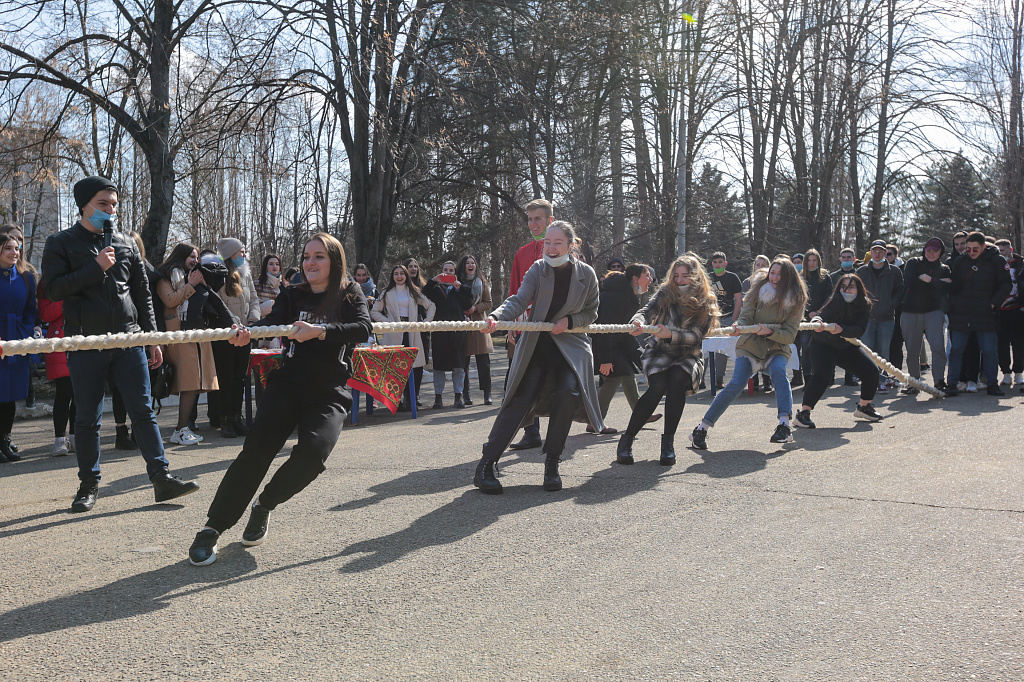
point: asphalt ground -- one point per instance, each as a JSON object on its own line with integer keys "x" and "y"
{"x": 891, "y": 551}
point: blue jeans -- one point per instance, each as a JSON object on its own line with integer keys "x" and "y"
{"x": 128, "y": 369}
{"x": 989, "y": 355}
{"x": 741, "y": 373}
{"x": 878, "y": 336}
{"x": 458, "y": 380}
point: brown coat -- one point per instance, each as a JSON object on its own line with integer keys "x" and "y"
{"x": 479, "y": 343}
{"x": 193, "y": 362}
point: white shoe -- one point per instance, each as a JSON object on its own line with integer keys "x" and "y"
{"x": 1018, "y": 379}
{"x": 972, "y": 387}
{"x": 1007, "y": 380}
{"x": 184, "y": 436}
{"x": 982, "y": 384}
{"x": 961, "y": 386}
{"x": 60, "y": 447}
{"x": 71, "y": 443}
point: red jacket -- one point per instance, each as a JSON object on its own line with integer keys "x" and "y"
{"x": 525, "y": 257}
{"x": 53, "y": 313}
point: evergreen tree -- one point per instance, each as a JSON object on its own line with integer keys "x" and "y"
{"x": 715, "y": 219}
{"x": 952, "y": 199}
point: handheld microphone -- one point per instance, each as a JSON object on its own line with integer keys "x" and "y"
{"x": 108, "y": 233}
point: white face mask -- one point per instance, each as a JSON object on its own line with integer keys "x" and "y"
{"x": 556, "y": 262}
{"x": 848, "y": 296}
{"x": 684, "y": 288}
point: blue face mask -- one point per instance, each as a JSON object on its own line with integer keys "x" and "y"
{"x": 846, "y": 263}
{"x": 239, "y": 262}
{"x": 98, "y": 217}
{"x": 799, "y": 267}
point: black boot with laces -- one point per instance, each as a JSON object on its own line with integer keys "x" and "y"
{"x": 552, "y": 481}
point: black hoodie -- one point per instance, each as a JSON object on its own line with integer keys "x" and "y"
{"x": 618, "y": 305}
{"x": 921, "y": 296}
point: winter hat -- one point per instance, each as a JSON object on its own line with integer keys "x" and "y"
{"x": 86, "y": 188}
{"x": 228, "y": 247}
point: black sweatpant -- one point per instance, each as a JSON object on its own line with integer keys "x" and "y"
{"x": 286, "y": 404}
{"x": 64, "y": 407}
{"x": 853, "y": 359}
{"x": 970, "y": 368}
{"x": 673, "y": 383}
{"x": 232, "y": 362}
{"x": 565, "y": 394}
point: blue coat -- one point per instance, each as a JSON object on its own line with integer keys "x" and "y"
{"x": 17, "y": 317}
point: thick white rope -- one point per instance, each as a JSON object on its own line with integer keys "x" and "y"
{"x": 52, "y": 345}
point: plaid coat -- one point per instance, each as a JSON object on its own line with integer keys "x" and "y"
{"x": 682, "y": 350}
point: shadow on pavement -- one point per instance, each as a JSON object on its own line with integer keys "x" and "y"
{"x": 133, "y": 596}
{"x": 732, "y": 463}
{"x": 472, "y": 512}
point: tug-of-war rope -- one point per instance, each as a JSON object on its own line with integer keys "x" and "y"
{"x": 108, "y": 341}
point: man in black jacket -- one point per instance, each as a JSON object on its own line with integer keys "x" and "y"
{"x": 100, "y": 276}
{"x": 980, "y": 285}
{"x": 884, "y": 283}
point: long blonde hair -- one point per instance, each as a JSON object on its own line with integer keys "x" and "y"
{"x": 791, "y": 292}
{"x": 699, "y": 303}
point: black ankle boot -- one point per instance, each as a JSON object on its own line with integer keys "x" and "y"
{"x": 668, "y": 451}
{"x": 437, "y": 402}
{"x": 458, "y": 401}
{"x": 6, "y": 451}
{"x": 485, "y": 478}
{"x": 624, "y": 454}
{"x": 552, "y": 481}
{"x": 123, "y": 439}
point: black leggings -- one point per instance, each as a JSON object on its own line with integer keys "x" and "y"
{"x": 483, "y": 370}
{"x": 853, "y": 360}
{"x": 6, "y": 418}
{"x": 64, "y": 407}
{"x": 232, "y": 363}
{"x": 673, "y": 383}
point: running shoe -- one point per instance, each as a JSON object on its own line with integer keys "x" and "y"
{"x": 867, "y": 413}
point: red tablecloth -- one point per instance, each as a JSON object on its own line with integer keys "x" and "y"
{"x": 382, "y": 372}
{"x": 262, "y": 362}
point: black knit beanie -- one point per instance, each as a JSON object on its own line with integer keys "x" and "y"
{"x": 89, "y": 187}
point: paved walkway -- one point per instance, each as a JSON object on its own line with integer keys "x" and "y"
{"x": 861, "y": 552}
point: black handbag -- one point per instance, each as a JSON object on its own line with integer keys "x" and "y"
{"x": 160, "y": 381}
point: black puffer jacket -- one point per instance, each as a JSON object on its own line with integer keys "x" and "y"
{"x": 979, "y": 287}
{"x": 97, "y": 302}
{"x": 618, "y": 305}
{"x": 925, "y": 297}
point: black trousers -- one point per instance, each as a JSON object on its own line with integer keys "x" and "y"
{"x": 231, "y": 362}
{"x": 1011, "y": 337}
{"x": 286, "y": 404}
{"x": 117, "y": 404}
{"x": 564, "y": 397}
{"x": 853, "y": 359}
{"x": 673, "y": 383}
{"x": 7, "y": 411}
{"x": 64, "y": 407}
{"x": 483, "y": 370}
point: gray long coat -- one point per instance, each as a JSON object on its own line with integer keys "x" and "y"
{"x": 581, "y": 303}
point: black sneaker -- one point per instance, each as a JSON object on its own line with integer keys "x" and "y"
{"x": 994, "y": 390}
{"x": 256, "y": 530}
{"x": 167, "y": 487}
{"x": 203, "y": 551}
{"x": 803, "y": 419}
{"x": 851, "y": 381}
{"x": 527, "y": 443}
{"x": 867, "y": 412}
{"x": 783, "y": 434}
{"x": 952, "y": 391}
{"x": 909, "y": 390}
{"x": 85, "y": 499}
{"x": 699, "y": 438}
{"x": 125, "y": 440}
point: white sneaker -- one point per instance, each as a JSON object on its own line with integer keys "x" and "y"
{"x": 961, "y": 386}
{"x": 60, "y": 447}
{"x": 184, "y": 436}
{"x": 972, "y": 387}
{"x": 1007, "y": 380}
{"x": 71, "y": 443}
{"x": 982, "y": 384}
{"x": 1018, "y": 379}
